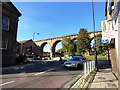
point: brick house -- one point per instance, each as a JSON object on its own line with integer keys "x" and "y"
{"x": 112, "y": 13}
{"x": 10, "y": 18}
{"x": 28, "y": 47}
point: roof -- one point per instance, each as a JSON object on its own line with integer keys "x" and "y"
{"x": 17, "y": 43}
{"x": 10, "y": 6}
{"x": 24, "y": 41}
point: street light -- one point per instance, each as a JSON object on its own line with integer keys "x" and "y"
{"x": 33, "y": 41}
{"x": 96, "y": 62}
{"x": 34, "y": 35}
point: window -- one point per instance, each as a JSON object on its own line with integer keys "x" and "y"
{"x": 5, "y": 22}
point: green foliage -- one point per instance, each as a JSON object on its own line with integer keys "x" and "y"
{"x": 60, "y": 50}
{"x": 99, "y": 57}
{"x": 100, "y": 47}
{"x": 83, "y": 42}
{"x": 68, "y": 46}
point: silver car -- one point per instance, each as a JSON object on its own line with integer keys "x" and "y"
{"x": 76, "y": 61}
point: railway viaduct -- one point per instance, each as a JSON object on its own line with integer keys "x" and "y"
{"x": 53, "y": 42}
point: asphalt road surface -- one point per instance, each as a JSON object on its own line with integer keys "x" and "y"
{"x": 40, "y": 75}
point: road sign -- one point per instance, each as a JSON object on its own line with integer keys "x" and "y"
{"x": 105, "y": 41}
{"x": 107, "y": 34}
{"x": 107, "y": 30}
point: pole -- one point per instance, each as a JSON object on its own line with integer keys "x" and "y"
{"x": 109, "y": 62}
{"x": 33, "y": 36}
{"x": 33, "y": 46}
{"x": 96, "y": 63}
{"x": 33, "y": 41}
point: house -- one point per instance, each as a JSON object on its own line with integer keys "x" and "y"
{"x": 28, "y": 48}
{"x": 10, "y": 18}
{"x": 112, "y": 14}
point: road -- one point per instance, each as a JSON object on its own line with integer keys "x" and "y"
{"x": 50, "y": 74}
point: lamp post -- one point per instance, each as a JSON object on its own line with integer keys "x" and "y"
{"x": 33, "y": 41}
{"x": 95, "y": 51}
{"x": 34, "y": 35}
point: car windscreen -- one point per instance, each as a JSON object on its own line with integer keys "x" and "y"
{"x": 75, "y": 59}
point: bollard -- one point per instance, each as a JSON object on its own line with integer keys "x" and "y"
{"x": 87, "y": 68}
{"x": 85, "y": 71}
{"x": 90, "y": 66}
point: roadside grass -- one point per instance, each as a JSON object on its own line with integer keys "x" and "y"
{"x": 99, "y": 57}
{"x": 65, "y": 58}
{"x": 92, "y": 57}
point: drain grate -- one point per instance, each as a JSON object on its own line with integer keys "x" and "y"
{"x": 111, "y": 85}
{"x": 110, "y": 81}
{"x": 101, "y": 77}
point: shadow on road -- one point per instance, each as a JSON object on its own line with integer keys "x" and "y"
{"x": 38, "y": 67}
{"x": 33, "y": 68}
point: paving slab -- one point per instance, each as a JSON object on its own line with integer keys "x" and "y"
{"x": 104, "y": 79}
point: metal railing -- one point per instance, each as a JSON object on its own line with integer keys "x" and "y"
{"x": 88, "y": 67}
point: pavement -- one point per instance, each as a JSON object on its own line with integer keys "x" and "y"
{"x": 104, "y": 79}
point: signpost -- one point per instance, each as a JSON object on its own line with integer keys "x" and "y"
{"x": 107, "y": 30}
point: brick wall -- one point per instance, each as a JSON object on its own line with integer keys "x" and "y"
{"x": 113, "y": 59}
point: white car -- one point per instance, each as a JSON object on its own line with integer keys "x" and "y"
{"x": 57, "y": 58}
{"x": 76, "y": 61}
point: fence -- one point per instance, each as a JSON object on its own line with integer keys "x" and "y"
{"x": 88, "y": 67}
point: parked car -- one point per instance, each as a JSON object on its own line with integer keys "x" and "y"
{"x": 76, "y": 61}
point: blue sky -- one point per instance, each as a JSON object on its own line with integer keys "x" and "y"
{"x": 53, "y": 19}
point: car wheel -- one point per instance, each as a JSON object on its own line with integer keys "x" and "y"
{"x": 81, "y": 66}
{"x": 78, "y": 66}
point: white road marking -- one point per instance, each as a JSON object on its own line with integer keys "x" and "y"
{"x": 46, "y": 71}
{"x": 7, "y": 83}
{"x": 39, "y": 73}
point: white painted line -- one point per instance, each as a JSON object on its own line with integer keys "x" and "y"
{"x": 43, "y": 72}
{"x": 46, "y": 71}
{"x": 7, "y": 83}
{"x": 39, "y": 73}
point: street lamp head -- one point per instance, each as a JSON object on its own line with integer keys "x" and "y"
{"x": 37, "y": 33}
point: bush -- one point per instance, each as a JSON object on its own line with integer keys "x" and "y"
{"x": 20, "y": 59}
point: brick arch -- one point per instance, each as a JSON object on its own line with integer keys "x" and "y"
{"x": 53, "y": 41}
{"x": 54, "y": 46}
{"x": 74, "y": 38}
{"x": 92, "y": 38}
{"x": 42, "y": 46}
{"x": 98, "y": 35}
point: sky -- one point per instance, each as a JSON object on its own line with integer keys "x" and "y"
{"x": 53, "y": 19}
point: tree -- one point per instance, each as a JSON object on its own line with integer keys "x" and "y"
{"x": 68, "y": 46}
{"x": 60, "y": 50}
{"x": 100, "y": 47}
{"x": 83, "y": 42}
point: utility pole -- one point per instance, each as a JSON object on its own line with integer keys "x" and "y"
{"x": 33, "y": 42}
{"x": 95, "y": 51}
